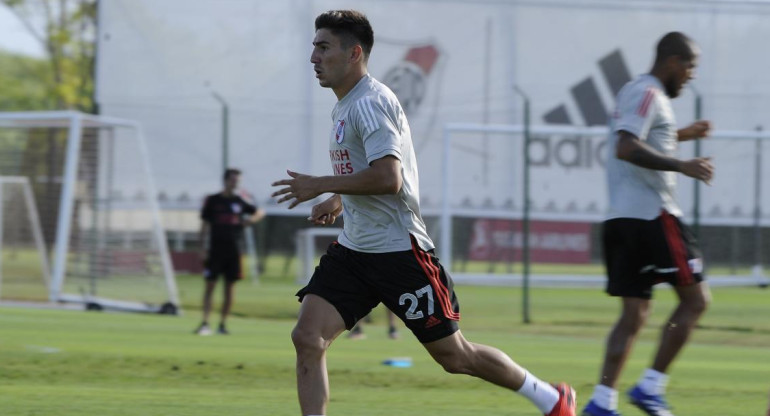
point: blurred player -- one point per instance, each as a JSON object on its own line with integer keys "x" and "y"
{"x": 384, "y": 253}
{"x": 644, "y": 240}
{"x": 357, "y": 332}
{"x": 223, "y": 217}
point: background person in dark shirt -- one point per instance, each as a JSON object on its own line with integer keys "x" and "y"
{"x": 223, "y": 216}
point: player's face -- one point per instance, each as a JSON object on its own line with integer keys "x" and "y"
{"x": 232, "y": 182}
{"x": 684, "y": 71}
{"x": 330, "y": 60}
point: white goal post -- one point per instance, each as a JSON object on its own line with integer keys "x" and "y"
{"x": 108, "y": 250}
{"x": 306, "y": 250}
{"x": 574, "y": 193}
{"x": 24, "y": 200}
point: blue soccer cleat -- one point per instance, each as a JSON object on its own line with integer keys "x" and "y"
{"x": 592, "y": 409}
{"x": 652, "y": 404}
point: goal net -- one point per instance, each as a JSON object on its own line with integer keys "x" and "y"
{"x": 484, "y": 230}
{"x": 100, "y": 220}
{"x": 24, "y": 272}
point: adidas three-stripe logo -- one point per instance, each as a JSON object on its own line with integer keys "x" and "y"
{"x": 366, "y": 111}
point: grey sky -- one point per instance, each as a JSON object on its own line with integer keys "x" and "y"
{"x": 14, "y": 37}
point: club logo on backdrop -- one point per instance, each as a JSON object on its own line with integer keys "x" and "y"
{"x": 408, "y": 78}
{"x": 339, "y": 131}
{"x": 586, "y": 95}
{"x": 590, "y": 110}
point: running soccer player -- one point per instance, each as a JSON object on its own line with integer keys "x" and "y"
{"x": 644, "y": 240}
{"x": 384, "y": 253}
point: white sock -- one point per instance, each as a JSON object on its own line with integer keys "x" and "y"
{"x": 653, "y": 382}
{"x": 605, "y": 397}
{"x": 542, "y": 394}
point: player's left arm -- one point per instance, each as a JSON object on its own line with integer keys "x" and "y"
{"x": 382, "y": 177}
{"x": 697, "y": 130}
{"x": 255, "y": 214}
{"x": 256, "y": 217}
{"x": 326, "y": 212}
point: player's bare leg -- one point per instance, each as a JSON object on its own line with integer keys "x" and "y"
{"x": 649, "y": 392}
{"x": 459, "y": 356}
{"x": 392, "y": 331}
{"x": 227, "y": 304}
{"x": 208, "y": 294}
{"x": 693, "y": 301}
{"x": 621, "y": 339}
{"x": 318, "y": 325}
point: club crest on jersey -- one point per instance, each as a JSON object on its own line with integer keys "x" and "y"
{"x": 339, "y": 131}
{"x": 236, "y": 208}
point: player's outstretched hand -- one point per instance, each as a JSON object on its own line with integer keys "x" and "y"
{"x": 699, "y": 168}
{"x": 299, "y": 188}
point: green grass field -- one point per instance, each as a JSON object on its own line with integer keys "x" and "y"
{"x": 55, "y": 362}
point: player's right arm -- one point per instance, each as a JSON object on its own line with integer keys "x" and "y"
{"x": 635, "y": 115}
{"x": 633, "y": 150}
{"x": 374, "y": 120}
{"x": 203, "y": 237}
{"x": 203, "y": 234}
{"x": 382, "y": 177}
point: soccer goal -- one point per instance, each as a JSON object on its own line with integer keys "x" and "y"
{"x": 24, "y": 272}
{"x": 99, "y": 220}
{"x": 485, "y": 181}
{"x": 310, "y": 244}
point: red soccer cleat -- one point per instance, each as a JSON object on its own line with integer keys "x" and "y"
{"x": 567, "y": 401}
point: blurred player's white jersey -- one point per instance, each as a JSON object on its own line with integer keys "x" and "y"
{"x": 369, "y": 124}
{"x": 644, "y": 110}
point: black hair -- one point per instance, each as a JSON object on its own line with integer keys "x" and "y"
{"x": 674, "y": 44}
{"x": 230, "y": 172}
{"x": 350, "y": 25}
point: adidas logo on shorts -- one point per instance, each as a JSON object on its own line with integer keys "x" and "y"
{"x": 432, "y": 321}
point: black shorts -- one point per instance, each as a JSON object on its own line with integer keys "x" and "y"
{"x": 227, "y": 263}
{"x": 411, "y": 283}
{"x": 640, "y": 253}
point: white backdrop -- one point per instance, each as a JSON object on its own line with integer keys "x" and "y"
{"x": 160, "y": 61}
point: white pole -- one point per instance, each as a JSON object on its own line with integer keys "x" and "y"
{"x": 309, "y": 255}
{"x": 179, "y": 241}
{"x": 251, "y": 254}
{"x": 446, "y": 219}
{"x": 37, "y": 233}
{"x": 2, "y": 185}
{"x": 756, "y": 270}
{"x": 160, "y": 236}
{"x": 300, "y": 238}
{"x": 66, "y": 203}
